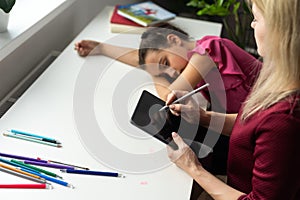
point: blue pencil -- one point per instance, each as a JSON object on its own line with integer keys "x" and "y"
{"x": 31, "y": 139}
{"x": 48, "y": 178}
{"x": 89, "y": 172}
{"x": 43, "y": 138}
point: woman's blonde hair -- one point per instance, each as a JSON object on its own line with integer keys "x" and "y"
{"x": 280, "y": 74}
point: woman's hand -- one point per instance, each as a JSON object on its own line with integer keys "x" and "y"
{"x": 183, "y": 157}
{"x": 87, "y": 47}
{"x": 191, "y": 109}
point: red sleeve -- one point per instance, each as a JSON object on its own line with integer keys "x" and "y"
{"x": 225, "y": 53}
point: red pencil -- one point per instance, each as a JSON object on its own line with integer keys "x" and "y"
{"x": 26, "y": 186}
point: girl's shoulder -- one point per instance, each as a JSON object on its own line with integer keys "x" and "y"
{"x": 217, "y": 41}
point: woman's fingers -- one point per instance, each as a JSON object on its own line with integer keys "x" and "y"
{"x": 178, "y": 140}
{"x": 170, "y": 98}
{"x": 175, "y": 94}
{"x": 175, "y": 109}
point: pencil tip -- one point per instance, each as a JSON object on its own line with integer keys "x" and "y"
{"x": 121, "y": 176}
{"x": 49, "y": 186}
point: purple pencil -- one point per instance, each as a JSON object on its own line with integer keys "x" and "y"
{"x": 22, "y": 157}
{"x": 47, "y": 165}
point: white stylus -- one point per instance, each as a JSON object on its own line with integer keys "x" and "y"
{"x": 186, "y": 96}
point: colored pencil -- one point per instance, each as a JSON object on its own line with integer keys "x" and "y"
{"x": 48, "y": 178}
{"x": 43, "y": 138}
{"x": 26, "y": 186}
{"x": 71, "y": 165}
{"x": 22, "y": 164}
{"x": 38, "y": 180}
{"x": 89, "y": 172}
{"x": 21, "y": 157}
{"x": 31, "y": 139}
{"x": 6, "y": 161}
{"x": 47, "y": 164}
{"x": 19, "y": 171}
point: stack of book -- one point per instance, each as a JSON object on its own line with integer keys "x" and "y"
{"x": 119, "y": 24}
{"x": 135, "y": 18}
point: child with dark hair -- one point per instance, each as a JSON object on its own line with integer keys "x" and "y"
{"x": 181, "y": 63}
{"x": 177, "y": 62}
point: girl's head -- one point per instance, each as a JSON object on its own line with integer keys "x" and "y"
{"x": 162, "y": 47}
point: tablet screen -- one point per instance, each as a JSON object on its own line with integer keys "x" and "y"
{"x": 148, "y": 117}
{"x": 161, "y": 124}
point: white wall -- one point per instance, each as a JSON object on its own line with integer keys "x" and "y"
{"x": 55, "y": 35}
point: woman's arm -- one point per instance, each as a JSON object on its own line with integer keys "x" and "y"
{"x": 219, "y": 122}
{"x": 186, "y": 159}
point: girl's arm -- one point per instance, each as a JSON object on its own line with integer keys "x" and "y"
{"x": 123, "y": 54}
{"x": 197, "y": 67}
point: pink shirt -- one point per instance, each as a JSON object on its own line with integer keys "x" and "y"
{"x": 264, "y": 153}
{"x": 237, "y": 68}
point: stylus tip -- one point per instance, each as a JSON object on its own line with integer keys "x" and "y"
{"x": 163, "y": 108}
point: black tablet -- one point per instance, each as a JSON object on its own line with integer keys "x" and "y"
{"x": 147, "y": 117}
{"x": 161, "y": 124}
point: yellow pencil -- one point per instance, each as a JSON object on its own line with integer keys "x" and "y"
{"x": 19, "y": 171}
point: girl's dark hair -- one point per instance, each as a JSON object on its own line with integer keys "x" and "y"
{"x": 155, "y": 38}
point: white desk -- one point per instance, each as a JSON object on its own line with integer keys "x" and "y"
{"x": 86, "y": 104}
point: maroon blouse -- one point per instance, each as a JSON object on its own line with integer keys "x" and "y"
{"x": 264, "y": 153}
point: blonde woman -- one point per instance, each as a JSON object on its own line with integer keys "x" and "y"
{"x": 264, "y": 150}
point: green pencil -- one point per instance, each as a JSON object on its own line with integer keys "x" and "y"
{"x": 35, "y": 168}
{"x": 31, "y": 139}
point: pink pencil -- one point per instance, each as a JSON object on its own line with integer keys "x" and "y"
{"x": 26, "y": 186}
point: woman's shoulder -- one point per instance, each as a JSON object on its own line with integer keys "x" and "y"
{"x": 288, "y": 106}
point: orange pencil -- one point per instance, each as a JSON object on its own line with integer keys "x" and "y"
{"x": 19, "y": 171}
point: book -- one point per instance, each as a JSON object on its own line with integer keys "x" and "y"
{"x": 145, "y": 13}
{"x": 120, "y": 24}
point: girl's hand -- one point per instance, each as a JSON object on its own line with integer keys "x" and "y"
{"x": 183, "y": 157}
{"x": 191, "y": 109}
{"x": 87, "y": 47}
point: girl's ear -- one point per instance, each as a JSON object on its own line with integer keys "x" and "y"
{"x": 173, "y": 39}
